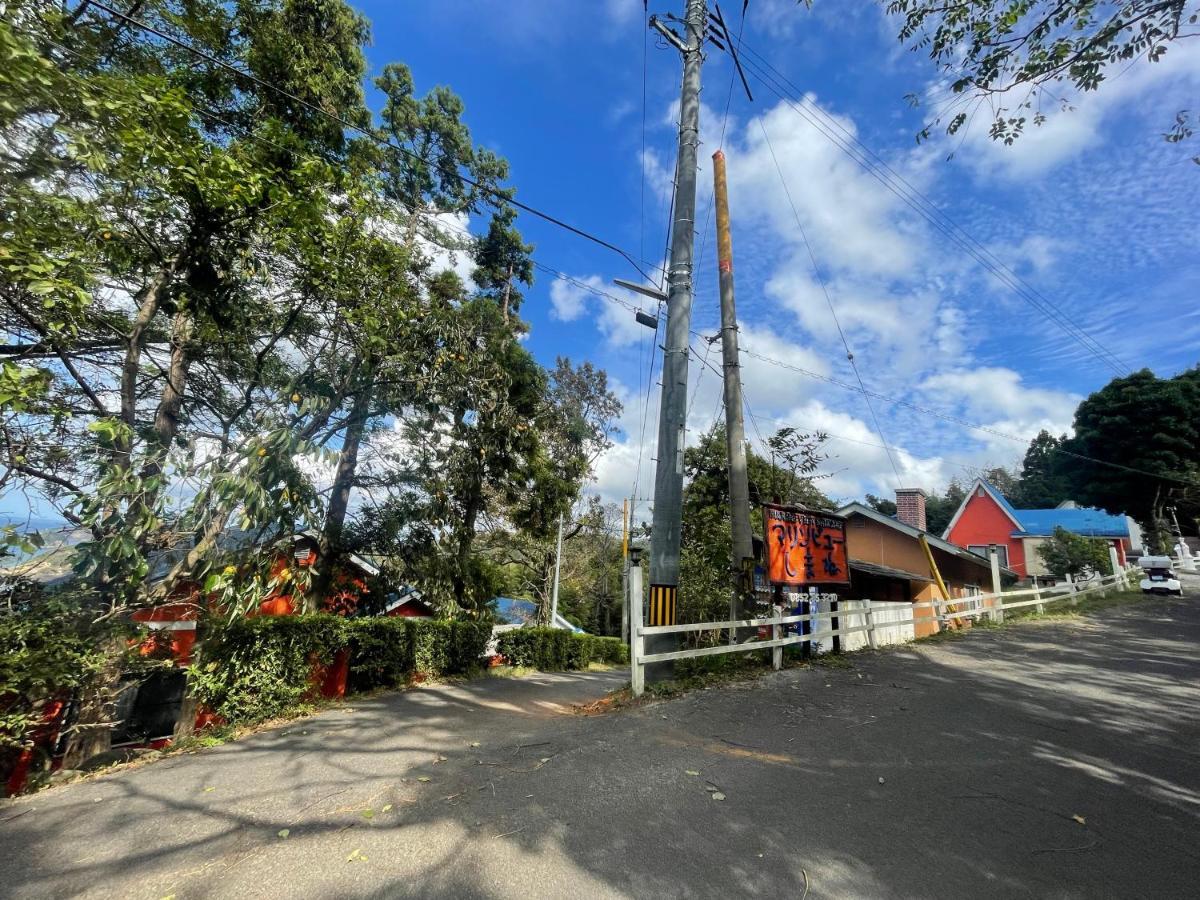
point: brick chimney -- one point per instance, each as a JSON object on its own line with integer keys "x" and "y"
{"x": 910, "y": 507}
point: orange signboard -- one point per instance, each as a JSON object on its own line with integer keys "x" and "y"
{"x": 804, "y": 547}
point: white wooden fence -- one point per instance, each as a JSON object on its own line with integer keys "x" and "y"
{"x": 860, "y": 621}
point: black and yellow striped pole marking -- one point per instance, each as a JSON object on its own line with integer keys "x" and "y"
{"x": 662, "y": 604}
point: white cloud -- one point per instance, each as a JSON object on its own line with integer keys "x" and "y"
{"x": 622, "y": 12}
{"x": 851, "y": 221}
{"x": 660, "y": 176}
{"x": 1153, "y": 91}
{"x": 992, "y": 392}
{"x": 569, "y": 301}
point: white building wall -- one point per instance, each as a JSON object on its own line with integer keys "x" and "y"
{"x": 884, "y": 613}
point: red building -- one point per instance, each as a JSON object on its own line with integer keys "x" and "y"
{"x": 985, "y": 517}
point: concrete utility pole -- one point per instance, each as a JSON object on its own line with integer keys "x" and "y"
{"x": 625, "y": 523}
{"x": 557, "y": 570}
{"x": 668, "y": 475}
{"x": 735, "y": 433}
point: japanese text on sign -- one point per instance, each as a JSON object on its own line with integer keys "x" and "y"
{"x": 804, "y": 547}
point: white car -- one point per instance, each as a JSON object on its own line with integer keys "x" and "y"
{"x": 1159, "y": 576}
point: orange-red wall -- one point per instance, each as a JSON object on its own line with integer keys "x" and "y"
{"x": 984, "y": 522}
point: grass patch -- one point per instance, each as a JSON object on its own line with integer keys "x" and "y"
{"x": 1062, "y": 610}
{"x": 833, "y": 661}
{"x": 511, "y": 671}
{"x": 706, "y": 672}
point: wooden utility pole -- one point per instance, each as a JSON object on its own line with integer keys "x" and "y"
{"x": 735, "y": 434}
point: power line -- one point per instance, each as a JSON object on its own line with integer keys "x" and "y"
{"x": 970, "y": 467}
{"x": 998, "y": 269}
{"x": 467, "y": 234}
{"x": 898, "y": 185}
{"x": 438, "y": 223}
{"x": 829, "y": 300}
{"x": 642, "y": 160}
{"x": 755, "y": 419}
{"x": 498, "y": 194}
{"x": 959, "y": 421}
{"x": 721, "y": 143}
{"x": 699, "y": 375}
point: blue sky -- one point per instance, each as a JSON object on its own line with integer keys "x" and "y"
{"x": 1094, "y": 210}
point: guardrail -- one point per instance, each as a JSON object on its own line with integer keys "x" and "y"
{"x": 973, "y": 606}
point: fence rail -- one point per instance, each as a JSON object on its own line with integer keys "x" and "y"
{"x": 992, "y": 605}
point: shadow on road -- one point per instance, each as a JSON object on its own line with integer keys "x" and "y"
{"x": 1046, "y": 759}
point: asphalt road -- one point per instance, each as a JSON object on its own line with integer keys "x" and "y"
{"x": 1043, "y": 760}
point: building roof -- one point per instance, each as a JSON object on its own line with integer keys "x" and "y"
{"x": 1026, "y": 522}
{"x": 1081, "y": 520}
{"x": 406, "y": 594}
{"x": 524, "y": 612}
{"x": 869, "y": 568}
{"x": 934, "y": 541}
{"x": 999, "y": 498}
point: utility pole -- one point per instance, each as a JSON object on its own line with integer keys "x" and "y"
{"x": 668, "y": 476}
{"x": 735, "y": 433}
{"x": 557, "y": 569}
{"x": 625, "y": 525}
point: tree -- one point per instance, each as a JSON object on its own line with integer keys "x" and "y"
{"x": 788, "y": 476}
{"x": 148, "y": 206}
{"x": 940, "y": 508}
{"x": 1136, "y": 449}
{"x": 879, "y": 504}
{"x": 1008, "y": 57}
{"x": 1044, "y": 482}
{"x": 431, "y": 167}
{"x": 1066, "y": 553}
{"x": 172, "y": 210}
{"x": 575, "y": 428}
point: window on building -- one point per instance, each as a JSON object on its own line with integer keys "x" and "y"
{"x": 982, "y": 550}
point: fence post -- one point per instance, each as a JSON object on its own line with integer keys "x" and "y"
{"x": 1118, "y": 576}
{"x": 1037, "y": 595}
{"x": 870, "y": 617}
{"x": 637, "y": 679}
{"x": 625, "y": 636}
{"x": 776, "y": 634}
{"x": 997, "y": 600}
{"x": 1071, "y": 594}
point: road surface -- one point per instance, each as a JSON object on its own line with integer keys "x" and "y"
{"x": 1053, "y": 759}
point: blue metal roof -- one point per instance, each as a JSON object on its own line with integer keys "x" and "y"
{"x": 1087, "y": 522}
{"x": 524, "y": 612}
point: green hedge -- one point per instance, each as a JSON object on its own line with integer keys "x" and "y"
{"x": 385, "y": 652}
{"x": 556, "y": 650}
{"x": 260, "y": 667}
{"x": 46, "y": 653}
